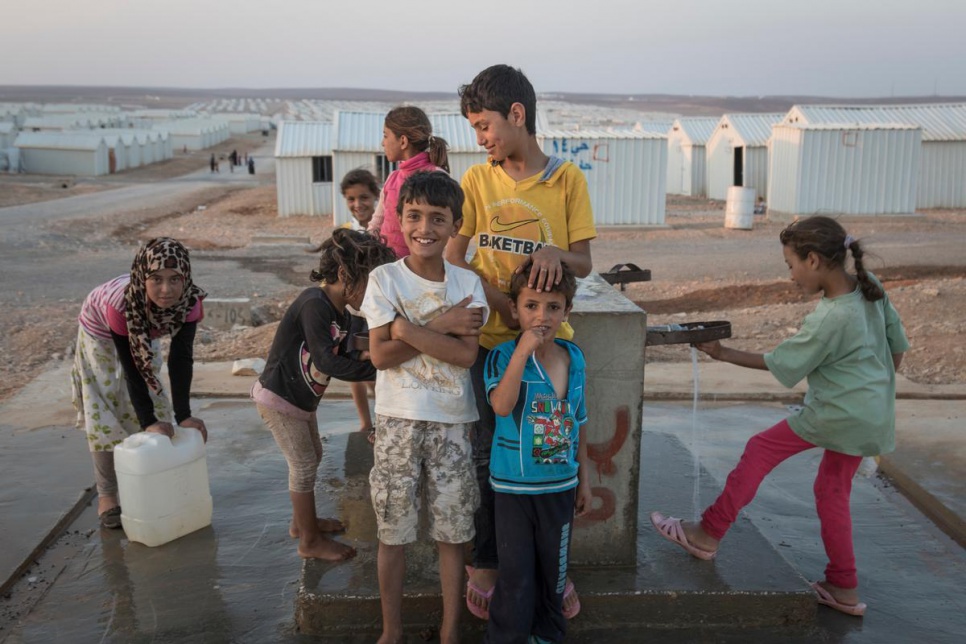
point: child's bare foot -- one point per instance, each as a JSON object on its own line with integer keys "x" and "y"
{"x": 847, "y": 596}
{"x": 105, "y": 503}
{"x": 481, "y": 582}
{"x": 449, "y": 634}
{"x": 390, "y": 638}
{"x": 325, "y": 526}
{"x": 326, "y": 549}
{"x": 698, "y": 537}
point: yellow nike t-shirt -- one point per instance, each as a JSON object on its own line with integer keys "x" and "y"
{"x": 508, "y": 220}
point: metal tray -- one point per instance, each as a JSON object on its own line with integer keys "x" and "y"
{"x": 688, "y": 333}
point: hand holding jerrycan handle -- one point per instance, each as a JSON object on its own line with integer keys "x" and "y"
{"x": 162, "y": 485}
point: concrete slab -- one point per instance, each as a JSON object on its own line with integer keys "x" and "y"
{"x": 226, "y": 312}
{"x": 910, "y": 574}
{"x": 930, "y": 460}
{"x": 46, "y": 472}
{"x": 238, "y": 580}
{"x": 753, "y": 586}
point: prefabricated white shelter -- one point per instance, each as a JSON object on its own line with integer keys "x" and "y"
{"x": 737, "y": 153}
{"x": 626, "y": 172}
{"x": 686, "y": 161}
{"x": 74, "y": 153}
{"x": 303, "y": 168}
{"x": 240, "y": 123}
{"x": 194, "y": 134}
{"x": 843, "y": 169}
{"x": 942, "y": 163}
{"x": 8, "y": 132}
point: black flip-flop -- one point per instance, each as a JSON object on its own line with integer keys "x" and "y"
{"x": 111, "y": 519}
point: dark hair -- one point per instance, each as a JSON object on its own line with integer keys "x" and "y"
{"x": 567, "y": 285}
{"x": 433, "y": 188}
{"x": 826, "y": 238}
{"x": 350, "y": 255}
{"x": 360, "y": 176}
{"x": 497, "y": 88}
{"x": 412, "y": 122}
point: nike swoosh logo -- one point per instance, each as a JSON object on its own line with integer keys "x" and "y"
{"x": 498, "y": 226}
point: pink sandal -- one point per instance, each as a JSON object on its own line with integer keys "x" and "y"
{"x": 826, "y": 598}
{"x": 670, "y": 528}
{"x": 477, "y": 611}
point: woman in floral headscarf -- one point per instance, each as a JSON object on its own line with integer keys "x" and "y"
{"x": 117, "y": 388}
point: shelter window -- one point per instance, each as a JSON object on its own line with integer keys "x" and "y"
{"x": 322, "y": 169}
{"x": 383, "y": 167}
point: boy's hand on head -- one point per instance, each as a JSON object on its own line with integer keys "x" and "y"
{"x": 546, "y": 270}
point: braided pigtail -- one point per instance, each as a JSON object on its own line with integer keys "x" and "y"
{"x": 870, "y": 290}
{"x": 437, "y": 149}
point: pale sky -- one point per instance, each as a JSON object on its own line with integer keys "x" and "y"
{"x": 846, "y": 48}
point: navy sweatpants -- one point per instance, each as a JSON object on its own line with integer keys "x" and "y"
{"x": 533, "y": 542}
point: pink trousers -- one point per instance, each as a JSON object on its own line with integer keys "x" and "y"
{"x": 833, "y": 486}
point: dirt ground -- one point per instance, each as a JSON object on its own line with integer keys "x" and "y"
{"x": 930, "y": 299}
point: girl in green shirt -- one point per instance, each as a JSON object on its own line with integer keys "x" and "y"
{"x": 848, "y": 349}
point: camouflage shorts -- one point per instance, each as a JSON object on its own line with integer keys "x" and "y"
{"x": 404, "y": 450}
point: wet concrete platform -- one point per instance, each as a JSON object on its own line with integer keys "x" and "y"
{"x": 751, "y": 586}
{"x": 240, "y": 579}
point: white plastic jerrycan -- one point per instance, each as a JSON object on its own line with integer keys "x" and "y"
{"x": 162, "y": 485}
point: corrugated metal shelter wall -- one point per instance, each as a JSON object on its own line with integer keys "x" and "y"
{"x": 342, "y": 162}
{"x": 720, "y": 164}
{"x": 942, "y": 175}
{"x": 675, "y": 164}
{"x": 84, "y": 163}
{"x": 785, "y": 171}
{"x": 193, "y": 141}
{"x": 755, "y": 172}
{"x": 686, "y": 174}
{"x": 846, "y": 171}
{"x": 695, "y": 171}
{"x": 293, "y": 182}
{"x": 460, "y": 162}
{"x": 626, "y": 176}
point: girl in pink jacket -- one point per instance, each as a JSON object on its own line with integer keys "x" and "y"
{"x": 407, "y": 139}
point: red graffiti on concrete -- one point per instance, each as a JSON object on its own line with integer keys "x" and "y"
{"x": 608, "y": 503}
{"x": 603, "y": 455}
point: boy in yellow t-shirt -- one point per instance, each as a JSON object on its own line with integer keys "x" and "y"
{"x": 520, "y": 204}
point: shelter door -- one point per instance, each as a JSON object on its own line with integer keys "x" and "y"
{"x": 739, "y": 171}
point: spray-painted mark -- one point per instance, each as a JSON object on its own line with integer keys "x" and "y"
{"x": 603, "y": 453}
{"x": 608, "y": 504}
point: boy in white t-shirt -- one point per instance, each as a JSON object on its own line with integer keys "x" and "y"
{"x": 424, "y": 317}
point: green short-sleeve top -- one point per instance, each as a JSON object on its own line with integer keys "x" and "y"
{"x": 844, "y": 349}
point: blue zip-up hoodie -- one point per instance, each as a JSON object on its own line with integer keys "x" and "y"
{"x": 535, "y": 447}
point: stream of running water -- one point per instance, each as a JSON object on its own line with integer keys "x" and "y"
{"x": 695, "y": 439}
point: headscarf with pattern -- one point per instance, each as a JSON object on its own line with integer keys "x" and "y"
{"x": 144, "y": 318}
